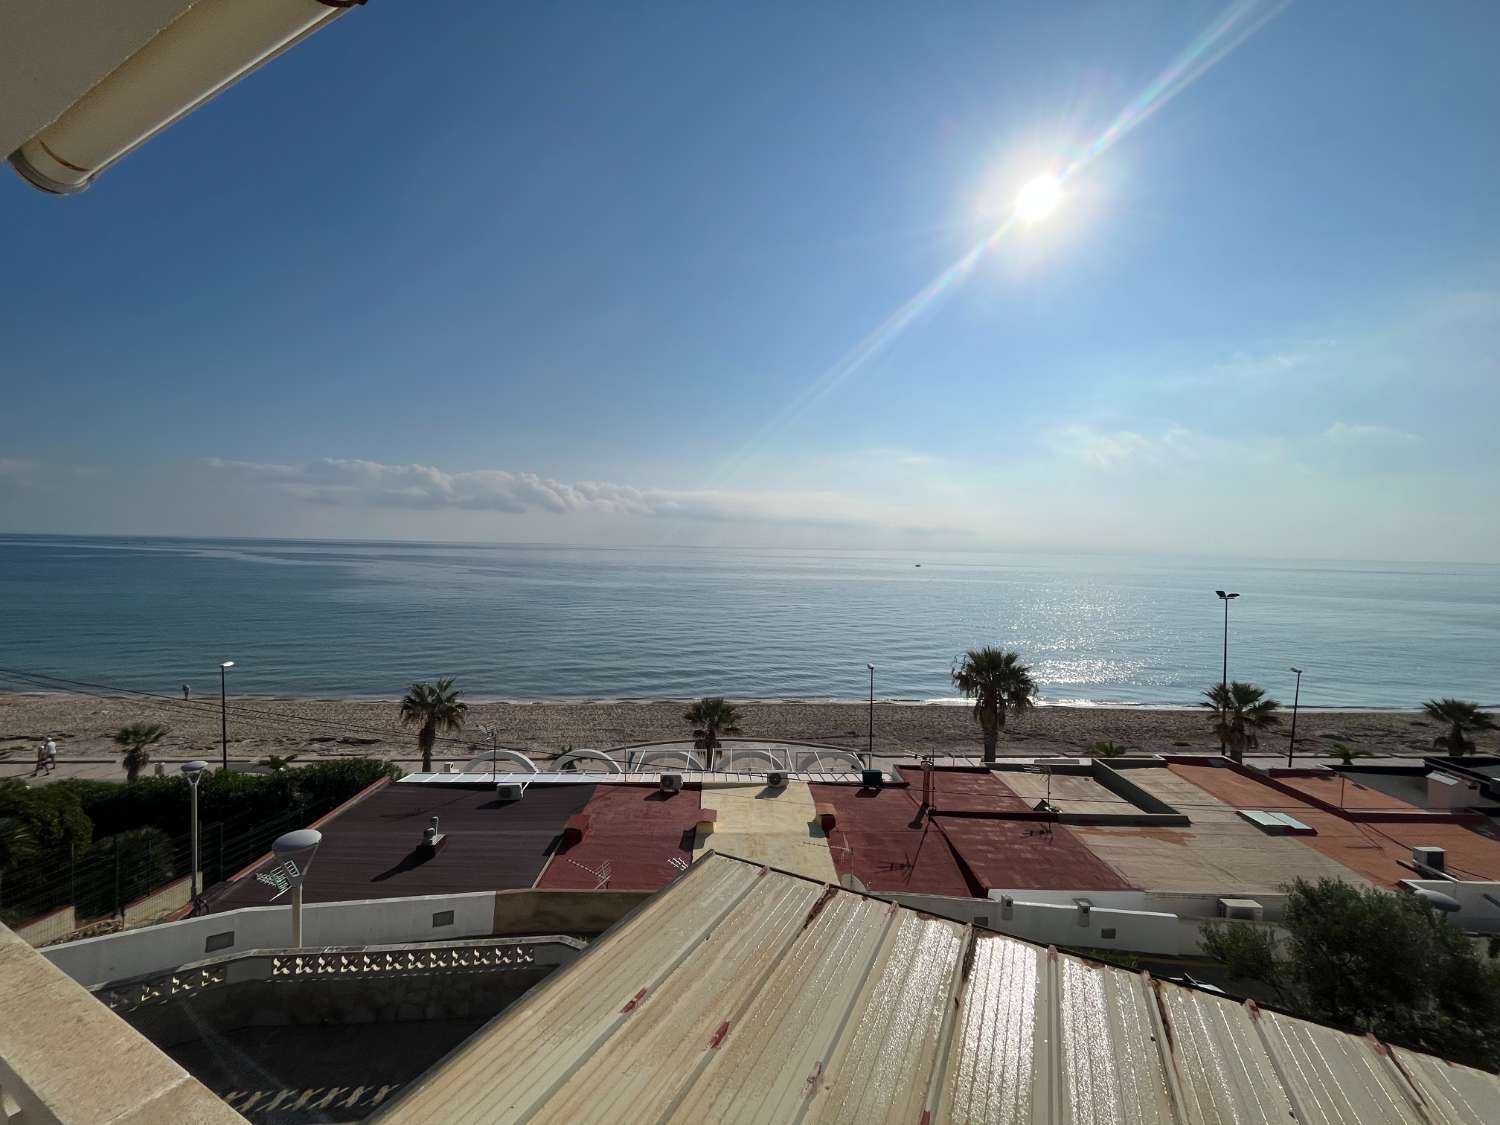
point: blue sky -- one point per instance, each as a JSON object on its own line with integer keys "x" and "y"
{"x": 570, "y": 273}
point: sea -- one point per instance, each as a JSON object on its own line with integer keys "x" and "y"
{"x": 536, "y": 622}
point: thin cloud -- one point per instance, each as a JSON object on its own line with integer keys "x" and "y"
{"x": 372, "y": 484}
{"x": 1356, "y": 435}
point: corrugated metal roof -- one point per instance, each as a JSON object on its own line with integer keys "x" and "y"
{"x": 745, "y": 994}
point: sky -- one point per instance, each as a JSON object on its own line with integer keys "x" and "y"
{"x": 750, "y": 275}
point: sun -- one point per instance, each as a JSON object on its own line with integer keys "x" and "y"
{"x": 1038, "y": 199}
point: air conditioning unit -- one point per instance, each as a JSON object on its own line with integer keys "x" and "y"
{"x": 1241, "y": 910}
{"x": 776, "y": 779}
{"x": 671, "y": 783}
{"x": 509, "y": 791}
{"x": 1434, "y": 859}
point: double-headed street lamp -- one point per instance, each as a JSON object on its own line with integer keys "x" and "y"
{"x": 1226, "y": 599}
{"x": 193, "y": 771}
{"x": 1296, "y": 698}
{"x": 224, "y": 711}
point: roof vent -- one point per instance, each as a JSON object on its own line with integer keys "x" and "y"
{"x": 671, "y": 783}
{"x": 1241, "y": 909}
{"x": 1434, "y": 859}
{"x": 509, "y": 791}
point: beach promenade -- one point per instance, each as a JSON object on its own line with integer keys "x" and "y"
{"x": 83, "y": 727}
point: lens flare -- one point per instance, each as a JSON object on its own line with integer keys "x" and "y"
{"x": 1038, "y": 199}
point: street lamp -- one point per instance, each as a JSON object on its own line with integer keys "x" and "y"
{"x": 1296, "y": 698}
{"x": 224, "y": 711}
{"x": 870, "y": 746}
{"x": 1224, "y": 681}
{"x": 294, "y": 851}
{"x": 193, "y": 771}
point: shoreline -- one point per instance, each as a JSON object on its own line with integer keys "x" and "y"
{"x": 313, "y": 728}
{"x": 246, "y": 698}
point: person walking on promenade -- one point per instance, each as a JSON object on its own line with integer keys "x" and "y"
{"x": 51, "y": 749}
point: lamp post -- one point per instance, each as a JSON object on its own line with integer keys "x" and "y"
{"x": 1296, "y": 698}
{"x": 224, "y": 711}
{"x": 1224, "y": 680}
{"x": 870, "y": 745}
{"x": 193, "y": 771}
{"x": 295, "y": 850}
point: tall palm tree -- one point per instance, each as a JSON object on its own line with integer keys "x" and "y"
{"x": 137, "y": 739}
{"x": 712, "y": 717}
{"x": 436, "y": 707}
{"x": 999, "y": 684}
{"x": 1240, "y": 712}
{"x": 1462, "y": 718}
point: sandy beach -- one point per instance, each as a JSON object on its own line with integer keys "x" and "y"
{"x": 83, "y": 725}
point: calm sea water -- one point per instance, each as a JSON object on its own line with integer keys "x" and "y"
{"x": 536, "y": 622}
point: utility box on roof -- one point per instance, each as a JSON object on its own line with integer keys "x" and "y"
{"x": 1241, "y": 910}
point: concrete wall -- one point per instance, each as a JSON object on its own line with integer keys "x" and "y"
{"x": 1479, "y": 914}
{"x": 48, "y": 927}
{"x": 560, "y": 911}
{"x": 164, "y": 900}
{"x": 1131, "y": 931}
{"x": 155, "y": 949}
{"x": 1194, "y": 906}
{"x": 1123, "y": 787}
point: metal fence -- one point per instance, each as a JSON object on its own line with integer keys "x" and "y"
{"x": 100, "y": 880}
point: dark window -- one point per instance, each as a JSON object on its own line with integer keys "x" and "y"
{"x": 218, "y": 941}
{"x": 1107, "y": 932}
{"x": 443, "y": 918}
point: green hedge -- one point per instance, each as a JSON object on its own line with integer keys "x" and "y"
{"x": 100, "y": 844}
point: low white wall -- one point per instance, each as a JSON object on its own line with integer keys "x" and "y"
{"x": 1201, "y": 907}
{"x": 154, "y": 949}
{"x": 1477, "y": 913}
{"x": 1135, "y": 931}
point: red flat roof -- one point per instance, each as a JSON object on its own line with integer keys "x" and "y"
{"x": 637, "y": 830}
{"x": 1373, "y": 850}
{"x": 874, "y": 840}
{"x": 1027, "y": 855}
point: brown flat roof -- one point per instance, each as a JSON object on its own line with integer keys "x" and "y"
{"x": 637, "y": 830}
{"x": 875, "y": 841}
{"x": 1373, "y": 850}
{"x": 369, "y": 850}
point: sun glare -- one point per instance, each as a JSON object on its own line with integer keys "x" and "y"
{"x": 1038, "y": 199}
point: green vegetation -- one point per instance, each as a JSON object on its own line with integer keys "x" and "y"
{"x": 137, "y": 740}
{"x": 101, "y": 844}
{"x": 1240, "y": 712}
{"x": 1372, "y": 961}
{"x": 433, "y": 708}
{"x": 1346, "y": 756}
{"x": 1462, "y": 719}
{"x": 1108, "y": 749}
{"x": 999, "y": 684}
{"x": 277, "y": 762}
{"x": 712, "y": 717}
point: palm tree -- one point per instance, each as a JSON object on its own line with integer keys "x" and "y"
{"x": 1107, "y": 749}
{"x": 1461, "y": 718}
{"x": 436, "y": 707}
{"x": 276, "y": 763}
{"x": 1241, "y": 712}
{"x": 137, "y": 739}
{"x": 712, "y": 717}
{"x": 999, "y": 684}
{"x": 1346, "y": 756}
